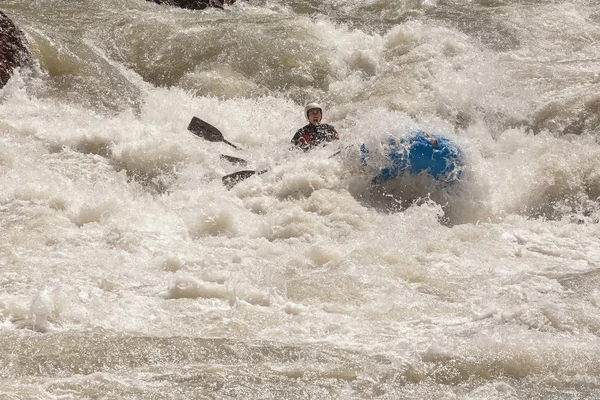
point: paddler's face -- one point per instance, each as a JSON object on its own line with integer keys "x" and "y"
{"x": 314, "y": 116}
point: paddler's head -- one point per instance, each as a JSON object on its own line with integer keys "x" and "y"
{"x": 313, "y": 113}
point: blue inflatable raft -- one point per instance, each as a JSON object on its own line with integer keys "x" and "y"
{"x": 420, "y": 153}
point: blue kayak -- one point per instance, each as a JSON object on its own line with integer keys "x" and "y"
{"x": 420, "y": 153}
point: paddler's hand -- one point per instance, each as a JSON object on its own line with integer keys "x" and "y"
{"x": 434, "y": 141}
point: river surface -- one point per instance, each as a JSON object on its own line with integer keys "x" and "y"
{"x": 128, "y": 271}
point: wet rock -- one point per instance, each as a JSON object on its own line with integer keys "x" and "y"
{"x": 13, "y": 48}
{"x": 195, "y": 4}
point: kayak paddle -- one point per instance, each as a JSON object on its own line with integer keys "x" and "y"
{"x": 208, "y": 132}
{"x": 233, "y": 179}
{"x": 234, "y": 160}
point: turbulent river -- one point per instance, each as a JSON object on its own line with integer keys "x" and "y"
{"x": 128, "y": 271}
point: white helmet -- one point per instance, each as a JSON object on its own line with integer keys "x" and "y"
{"x": 310, "y": 106}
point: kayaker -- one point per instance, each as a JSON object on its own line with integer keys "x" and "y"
{"x": 315, "y": 133}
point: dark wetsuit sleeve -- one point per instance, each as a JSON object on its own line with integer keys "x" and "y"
{"x": 304, "y": 137}
{"x": 297, "y": 136}
{"x": 311, "y": 136}
{"x": 333, "y": 135}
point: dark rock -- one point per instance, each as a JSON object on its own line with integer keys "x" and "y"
{"x": 13, "y": 48}
{"x": 195, "y": 4}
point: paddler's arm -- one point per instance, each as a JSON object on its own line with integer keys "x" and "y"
{"x": 434, "y": 141}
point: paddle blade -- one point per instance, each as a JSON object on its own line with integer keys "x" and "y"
{"x": 234, "y": 160}
{"x": 206, "y": 131}
{"x": 233, "y": 179}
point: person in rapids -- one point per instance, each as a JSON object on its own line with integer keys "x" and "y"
{"x": 315, "y": 133}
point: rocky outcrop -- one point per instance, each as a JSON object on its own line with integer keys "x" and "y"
{"x": 195, "y": 4}
{"x": 13, "y": 48}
